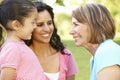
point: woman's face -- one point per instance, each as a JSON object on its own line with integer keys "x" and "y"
{"x": 44, "y": 30}
{"x": 80, "y": 33}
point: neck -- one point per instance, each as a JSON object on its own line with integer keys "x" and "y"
{"x": 91, "y": 48}
{"x": 41, "y": 49}
{"x": 11, "y": 35}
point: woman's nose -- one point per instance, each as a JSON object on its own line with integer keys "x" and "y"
{"x": 71, "y": 32}
{"x": 47, "y": 28}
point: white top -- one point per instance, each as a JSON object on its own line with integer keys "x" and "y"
{"x": 52, "y": 76}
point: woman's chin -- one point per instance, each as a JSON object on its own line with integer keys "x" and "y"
{"x": 77, "y": 44}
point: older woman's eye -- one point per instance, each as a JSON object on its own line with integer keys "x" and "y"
{"x": 74, "y": 24}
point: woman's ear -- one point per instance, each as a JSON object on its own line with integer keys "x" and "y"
{"x": 15, "y": 24}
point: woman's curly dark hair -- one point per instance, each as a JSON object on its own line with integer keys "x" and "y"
{"x": 55, "y": 40}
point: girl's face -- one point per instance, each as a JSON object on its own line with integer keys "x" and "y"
{"x": 28, "y": 26}
{"x": 80, "y": 33}
{"x": 44, "y": 30}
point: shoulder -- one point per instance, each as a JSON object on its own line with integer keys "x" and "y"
{"x": 67, "y": 52}
{"x": 107, "y": 54}
{"x": 10, "y": 47}
{"x": 67, "y": 55}
{"x": 108, "y": 48}
{"x": 12, "y": 43}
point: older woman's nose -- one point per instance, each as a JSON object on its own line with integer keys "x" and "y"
{"x": 71, "y": 32}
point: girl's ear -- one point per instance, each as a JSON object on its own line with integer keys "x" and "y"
{"x": 15, "y": 25}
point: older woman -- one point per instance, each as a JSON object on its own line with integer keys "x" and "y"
{"x": 94, "y": 29}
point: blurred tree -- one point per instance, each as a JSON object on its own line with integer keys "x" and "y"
{"x": 60, "y": 2}
{"x": 114, "y": 8}
{"x": 0, "y": 0}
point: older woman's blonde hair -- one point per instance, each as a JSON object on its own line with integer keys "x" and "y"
{"x": 99, "y": 20}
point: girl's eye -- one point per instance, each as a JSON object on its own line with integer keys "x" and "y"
{"x": 33, "y": 22}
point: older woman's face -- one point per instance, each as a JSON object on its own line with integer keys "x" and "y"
{"x": 80, "y": 33}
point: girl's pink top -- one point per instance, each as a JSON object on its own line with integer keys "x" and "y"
{"x": 20, "y": 57}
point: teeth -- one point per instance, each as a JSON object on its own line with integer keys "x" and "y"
{"x": 45, "y": 35}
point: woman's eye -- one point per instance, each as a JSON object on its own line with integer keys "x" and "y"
{"x": 39, "y": 25}
{"x": 49, "y": 23}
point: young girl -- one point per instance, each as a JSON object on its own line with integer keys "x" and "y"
{"x": 17, "y": 61}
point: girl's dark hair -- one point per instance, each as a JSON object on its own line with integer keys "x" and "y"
{"x": 55, "y": 40}
{"x": 14, "y": 10}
